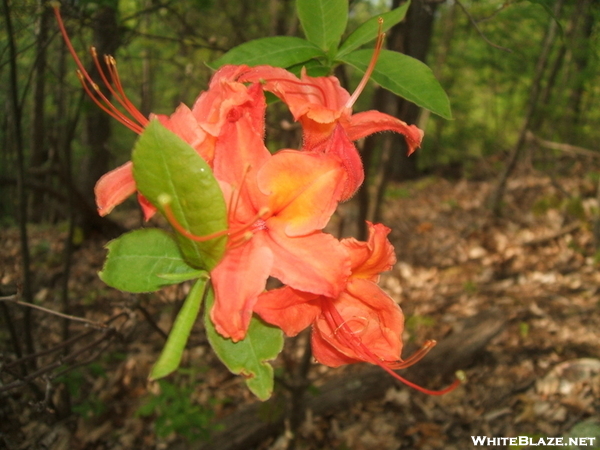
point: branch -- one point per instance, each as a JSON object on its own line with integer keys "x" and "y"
{"x": 566, "y": 148}
{"x": 13, "y": 299}
{"x": 108, "y": 333}
{"x": 474, "y": 23}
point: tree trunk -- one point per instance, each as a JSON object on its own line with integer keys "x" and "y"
{"x": 413, "y": 38}
{"x": 582, "y": 51}
{"x": 15, "y": 119}
{"x": 495, "y": 200}
{"x": 388, "y": 151}
{"x": 39, "y": 147}
{"x": 97, "y": 122}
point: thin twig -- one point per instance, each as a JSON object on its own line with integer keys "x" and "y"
{"x": 107, "y": 334}
{"x": 483, "y": 36}
{"x": 13, "y": 299}
{"x": 150, "y": 320}
{"x": 49, "y": 351}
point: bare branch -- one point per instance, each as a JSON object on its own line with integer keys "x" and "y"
{"x": 474, "y": 22}
{"x": 13, "y": 299}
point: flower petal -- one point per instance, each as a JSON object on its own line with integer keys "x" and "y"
{"x": 371, "y": 258}
{"x": 322, "y": 99}
{"x": 369, "y": 122}
{"x": 238, "y": 280}
{"x": 368, "y": 326}
{"x": 148, "y": 209}
{"x": 303, "y": 188}
{"x": 316, "y": 263}
{"x": 239, "y": 154}
{"x": 327, "y": 354}
{"x": 183, "y": 123}
{"x": 341, "y": 146}
{"x": 225, "y": 94}
{"x": 288, "y": 309}
{"x": 114, "y": 187}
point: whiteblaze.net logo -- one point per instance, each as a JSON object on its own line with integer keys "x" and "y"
{"x": 526, "y": 440}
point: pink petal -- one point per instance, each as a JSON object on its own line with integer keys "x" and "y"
{"x": 240, "y": 152}
{"x": 371, "y": 258}
{"x": 288, "y": 309}
{"x": 316, "y": 263}
{"x": 147, "y": 208}
{"x": 114, "y": 187}
{"x": 369, "y": 122}
{"x": 370, "y": 330}
{"x": 238, "y": 280}
{"x": 327, "y": 354}
{"x": 303, "y": 188}
{"x": 341, "y": 146}
{"x": 321, "y": 99}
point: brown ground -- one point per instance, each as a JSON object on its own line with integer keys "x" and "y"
{"x": 539, "y": 377}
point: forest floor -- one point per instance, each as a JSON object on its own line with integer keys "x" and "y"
{"x": 540, "y": 377}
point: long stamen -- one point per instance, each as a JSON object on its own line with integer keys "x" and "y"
{"x": 165, "y": 202}
{"x": 110, "y": 109}
{"x": 234, "y": 204}
{"x": 260, "y": 215}
{"x": 303, "y": 84}
{"x": 181, "y": 230}
{"x": 139, "y": 121}
{"x": 414, "y": 358}
{"x": 372, "y": 64}
{"x": 111, "y": 63}
{"x": 348, "y": 338}
{"x": 117, "y": 114}
{"x": 240, "y": 241}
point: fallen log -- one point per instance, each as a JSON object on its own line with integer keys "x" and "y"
{"x": 254, "y": 423}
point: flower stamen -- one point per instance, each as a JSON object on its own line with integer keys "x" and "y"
{"x": 139, "y": 121}
{"x": 234, "y": 234}
{"x": 348, "y": 338}
{"x": 414, "y": 358}
{"x": 370, "y": 68}
{"x": 303, "y": 84}
{"x": 165, "y": 203}
{"x": 363, "y": 320}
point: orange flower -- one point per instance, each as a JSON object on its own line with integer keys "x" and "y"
{"x": 324, "y": 110}
{"x": 361, "y": 324}
{"x": 200, "y": 126}
{"x": 293, "y": 310}
{"x": 276, "y": 206}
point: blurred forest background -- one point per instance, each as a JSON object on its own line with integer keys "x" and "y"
{"x": 499, "y": 208}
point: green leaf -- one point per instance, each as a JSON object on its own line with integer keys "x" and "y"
{"x": 164, "y": 164}
{"x": 368, "y": 30}
{"x": 249, "y": 356}
{"x": 176, "y": 278}
{"x": 144, "y": 261}
{"x": 406, "y": 77}
{"x": 277, "y": 51}
{"x": 171, "y": 355}
{"x": 323, "y": 21}
{"x": 313, "y": 68}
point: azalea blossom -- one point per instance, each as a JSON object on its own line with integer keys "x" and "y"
{"x": 361, "y": 324}
{"x": 277, "y": 205}
{"x": 199, "y": 126}
{"x": 324, "y": 109}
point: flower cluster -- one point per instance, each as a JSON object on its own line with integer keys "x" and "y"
{"x": 277, "y": 206}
